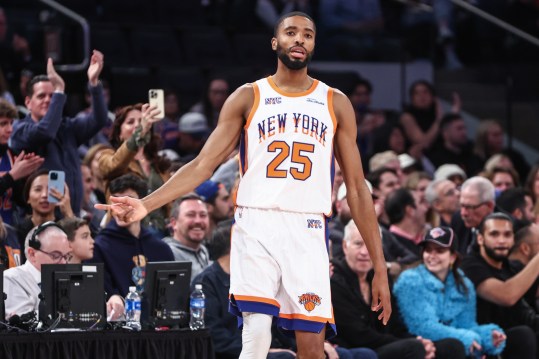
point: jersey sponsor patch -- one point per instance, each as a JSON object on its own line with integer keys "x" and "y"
{"x": 314, "y": 223}
{"x": 272, "y": 100}
{"x": 310, "y": 301}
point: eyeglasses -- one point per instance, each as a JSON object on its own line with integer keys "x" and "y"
{"x": 57, "y": 256}
{"x": 451, "y": 192}
{"x": 470, "y": 207}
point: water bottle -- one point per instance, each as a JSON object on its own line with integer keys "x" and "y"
{"x": 197, "y": 304}
{"x": 132, "y": 309}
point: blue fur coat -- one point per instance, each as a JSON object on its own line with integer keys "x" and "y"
{"x": 437, "y": 310}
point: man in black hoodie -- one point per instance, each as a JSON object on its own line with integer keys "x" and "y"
{"x": 126, "y": 248}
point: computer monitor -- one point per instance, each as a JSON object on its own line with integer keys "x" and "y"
{"x": 72, "y": 296}
{"x": 165, "y": 300}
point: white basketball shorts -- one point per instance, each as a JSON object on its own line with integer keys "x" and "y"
{"x": 279, "y": 266}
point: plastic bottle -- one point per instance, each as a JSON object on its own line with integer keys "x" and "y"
{"x": 197, "y": 306}
{"x": 132, "y": 309}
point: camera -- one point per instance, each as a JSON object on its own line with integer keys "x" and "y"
{"x": 54, "y": 176}
{"x": 153, "y": 94}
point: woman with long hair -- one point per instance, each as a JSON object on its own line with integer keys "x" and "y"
{"x": 437, "y": 301}
{"x": 136, "y": 151}
{"x": 421, "y": 118}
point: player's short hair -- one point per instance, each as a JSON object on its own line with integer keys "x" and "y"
{"x": 290, "y": 14}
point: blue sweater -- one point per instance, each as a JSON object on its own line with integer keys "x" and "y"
{"x": 57, "y": 138}
{"x": 437, "y": 310}
{"x": 121, "y": 252}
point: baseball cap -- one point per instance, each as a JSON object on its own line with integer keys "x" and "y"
{"x": 442, "y": 236}
{"x": 193, "y": 122}
{"x": 208, "y": 190}
{"x": 406, "y": 160}
{"x": 341, "y": 193}
{"x": 448, "y": 170}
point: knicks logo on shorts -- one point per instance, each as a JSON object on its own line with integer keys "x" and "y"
{"x": 309, "y": 301}
{"x": 314, "y": 223}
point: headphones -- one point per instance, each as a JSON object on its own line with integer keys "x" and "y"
{"x": 34, "y": 240}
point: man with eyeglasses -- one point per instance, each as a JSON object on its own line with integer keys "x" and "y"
{"x": 45, "y": 244}
{"x": 477, "y": 200}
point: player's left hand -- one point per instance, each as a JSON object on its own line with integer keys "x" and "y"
{"x": 381, "y": 298}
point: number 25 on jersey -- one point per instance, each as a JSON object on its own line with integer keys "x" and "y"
{"x": 298, "y": 156}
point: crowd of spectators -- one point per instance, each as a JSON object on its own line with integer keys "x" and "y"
{"x": 474, "y": 201}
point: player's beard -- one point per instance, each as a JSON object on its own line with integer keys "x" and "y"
{"x": 291, "y": 63}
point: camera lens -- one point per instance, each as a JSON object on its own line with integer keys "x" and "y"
{"x": 54, "y": 176}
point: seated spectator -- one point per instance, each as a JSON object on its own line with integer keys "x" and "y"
{"x": 451, "y": 172}
{"x": 217, "y": 198}
{"x": 193, "y": 133}
{"x": 500, "y": 291}
{"x": 525, "y": 248}
{"x": 91, "y": 160}
{"x": 13, "y": 169}
{"x": 516, "y": 202}
{"x": 386, "y": 159}
{"x": 476, "y": 202}
{"x": 79, "y": 237}
{"x": 136, "y": 151}
{"x": 190, "y": 224}
{"x": 417, "y": 182}
{"x": 532, "y": 186}
{"x": 407, "y": 216}
{"x": 384, "y": 181}
{"x": 503, "y": 178}
{"x": 45, "y": 244}
{"x": 454, "y": 146}
{"x": 489, "y": 140}
{"x": 10, "y": 248}
{"x": 367, "y": 119}
{"x": 437, "y": 301}
{"x": 443, "y": 197}
{"x": 45, "y": 132}
{"x": 357, "y": 324}
{"x": 212, "y": 101}
{"x": 421, "y": 119}
{"x": 125, "y": 249}
{"x": 36, "y": 192}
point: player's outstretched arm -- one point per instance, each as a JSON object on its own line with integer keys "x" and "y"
{"x": 360, "y": 200}
{"x": 219, "y": 145}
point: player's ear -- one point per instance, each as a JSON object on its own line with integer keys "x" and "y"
{"x": 274, "y": 44}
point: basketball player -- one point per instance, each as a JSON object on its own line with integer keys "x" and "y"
{"x": 290, "y": 127}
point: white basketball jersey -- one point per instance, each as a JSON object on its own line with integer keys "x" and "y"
{"x": 286, "y": 149}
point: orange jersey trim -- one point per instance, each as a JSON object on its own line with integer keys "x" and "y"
{"x": 305, "y": 317}
{"x": 256, "y": 91}
{"x": 292, "y": 94}
{"x": 249, "y": 298}
{"x": 330, "y": 108}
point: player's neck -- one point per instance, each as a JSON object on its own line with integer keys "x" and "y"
{"x": 292, "y": 80}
